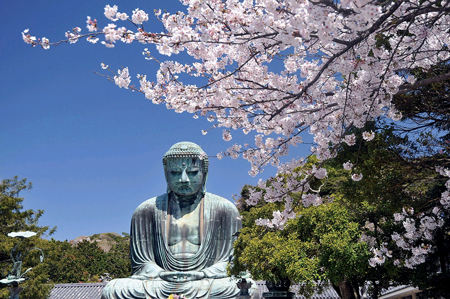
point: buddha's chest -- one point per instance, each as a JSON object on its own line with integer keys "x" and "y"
{"x": 183, "y": 230}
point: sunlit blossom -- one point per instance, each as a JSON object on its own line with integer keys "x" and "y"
{"x": 226, "y": 135}
{"x": 45, "y": 43}
{"x": 348, "y": 165}
{"x": 122, "y": 16}
{"x": 139, "y": 16}
{"x": 368, "y": 136}
{"x": 357, "y": 177}
{"x": 27, "y": 37}
{"x": 110, "y": 12}
{"x": 123, "y": 79}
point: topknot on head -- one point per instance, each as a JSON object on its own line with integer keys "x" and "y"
{"x": 186, "y": 149}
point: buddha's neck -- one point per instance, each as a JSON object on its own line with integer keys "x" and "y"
{"x": 187, "y": 201}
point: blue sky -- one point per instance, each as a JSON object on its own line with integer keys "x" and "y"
{"x": 92, "y": 151}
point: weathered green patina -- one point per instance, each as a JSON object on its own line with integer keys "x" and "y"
{"x": 181, "y": 241}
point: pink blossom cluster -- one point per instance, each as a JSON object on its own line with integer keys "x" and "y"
{"x": 123, "y": 78}
{"x": 342, "y": 62}
{"x": 380, "y": 255}
{"x": 417, "y": 228}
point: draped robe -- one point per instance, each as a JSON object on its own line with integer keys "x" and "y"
{"x": 150, "y": 253}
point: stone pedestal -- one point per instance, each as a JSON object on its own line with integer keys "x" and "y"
{"x": 244, "y": 286}
{"x": 278, "y": 290}
{"x": 14, "y": 292}
{"x": 278, "y": 295}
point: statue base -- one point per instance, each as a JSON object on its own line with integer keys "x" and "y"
{"x": 14, "y": 292}
{"x": 278, "y": 294}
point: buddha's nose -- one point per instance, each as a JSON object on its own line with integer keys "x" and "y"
{"x": 184, "y": 176}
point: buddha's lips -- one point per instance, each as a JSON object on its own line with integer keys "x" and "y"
{"x": 184, "y": 187}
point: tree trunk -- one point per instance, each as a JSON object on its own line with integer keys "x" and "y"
{"x": 346, "y": 290}
{"x": 336, "y": 288}
{"x": 355, "y": 286}
{"x": 375, "y": 290}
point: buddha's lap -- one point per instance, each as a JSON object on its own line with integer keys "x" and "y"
{"x": 136, "y": 288}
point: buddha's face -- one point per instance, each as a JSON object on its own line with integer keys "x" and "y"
{"x": 185, "y": 176}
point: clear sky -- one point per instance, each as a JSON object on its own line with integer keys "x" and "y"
{"x": 92, "y": 151}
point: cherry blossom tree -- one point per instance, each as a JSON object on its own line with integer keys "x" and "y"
{"x": 278, "y": 68}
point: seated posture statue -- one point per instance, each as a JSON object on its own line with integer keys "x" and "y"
{"x": 181, "y": 241}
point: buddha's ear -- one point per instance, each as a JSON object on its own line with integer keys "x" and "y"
{"x": 165, "y": 174}
{"x": 167, "y": 183}
{"x": 205, "y": 178}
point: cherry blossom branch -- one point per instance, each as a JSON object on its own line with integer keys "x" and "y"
{"x": 425, "y": 82}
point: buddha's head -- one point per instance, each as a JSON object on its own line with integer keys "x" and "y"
{"x": 185, "y": 168}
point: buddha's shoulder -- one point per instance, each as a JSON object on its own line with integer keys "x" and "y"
{"x": 153, "y": 202}
{"x": 219, "y": 200}
{"x": 216, "y": 197}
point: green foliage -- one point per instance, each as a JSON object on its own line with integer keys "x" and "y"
{"x": 395, "y": 177}
{"x": 86, "y": 261}
{"x": 322, "y": 244}
{"x": 13, "y": 219}
{"x": 118, "y": 258}
{"x": 341, "y": 252}
{"x": 60, "y": 262}
{"x": 63, "y": 262}
{"x": 334, "y": 241}
{"x": 12, "y": 216}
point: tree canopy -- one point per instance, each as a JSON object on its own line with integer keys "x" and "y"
{"x": 358, "y": 221}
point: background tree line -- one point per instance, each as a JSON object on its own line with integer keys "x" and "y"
{"x": 64, "y": 262}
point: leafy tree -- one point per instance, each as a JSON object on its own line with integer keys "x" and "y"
{"x": 396, "y": 178}
{"x": 86, "y": 261}
{"x": 92, "y": 259}
{"x": 342, "y": 234}
{"x": 63, "y": 263}
{"x": 425, "y": 112}
{"x": 13, "y": 219}
{"x": 433, "y": 277}
{"x": 322, "y": 244}
{"x": 118, "y": 258}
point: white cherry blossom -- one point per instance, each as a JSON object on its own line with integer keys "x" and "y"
{"x": 368, "y": 136}
{"x": 45, "y": 43}
{"x": 357, "y": 177}
{"x": 110, "y": 12}
{"x": 139, "y": 16}
{"x": 348, "y": 165}
{"x": 123, "y": 78}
